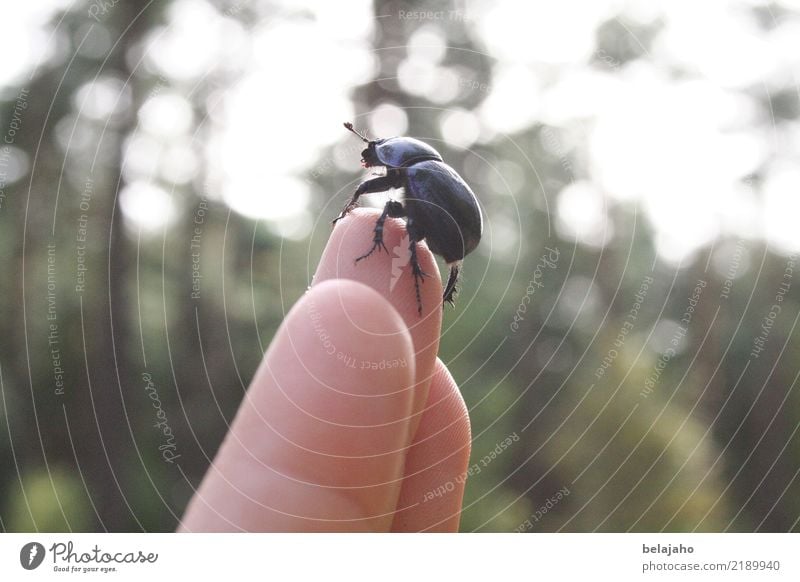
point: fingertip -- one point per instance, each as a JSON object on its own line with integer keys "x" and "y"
{"x": 340, "y": 327}
{"x": 389, "y": 273}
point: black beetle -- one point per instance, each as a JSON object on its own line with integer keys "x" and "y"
{"x": 438, "y": 205}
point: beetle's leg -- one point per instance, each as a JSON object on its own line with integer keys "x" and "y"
{"x": 416, "y": 270}
{"x": 450, "y": 289}
{"x": 393, "y": 209}
{"x": 380, "y": 184}
{"x": 346, "y": 210}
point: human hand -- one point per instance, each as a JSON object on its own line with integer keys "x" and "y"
{"x": 351, "y": 422}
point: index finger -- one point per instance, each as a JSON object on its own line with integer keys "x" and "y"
{"x": 390, "y": 275}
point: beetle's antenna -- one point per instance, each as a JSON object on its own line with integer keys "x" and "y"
{"x": 349, "y": 126}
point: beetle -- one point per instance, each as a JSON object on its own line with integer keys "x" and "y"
{"x": 438, "y": 205}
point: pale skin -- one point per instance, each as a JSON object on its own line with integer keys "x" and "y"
{"x": 351, "y": 421}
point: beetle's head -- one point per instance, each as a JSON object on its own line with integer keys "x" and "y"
{"x": 369, "y": 157}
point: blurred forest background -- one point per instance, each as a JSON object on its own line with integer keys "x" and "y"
{"x": 169, "y": 170}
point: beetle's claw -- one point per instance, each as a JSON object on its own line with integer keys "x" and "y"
{"x": 419, "y": 273}
{"x": 451, "y": 288}
{"x": 345, "y": 211}
{"x": 377, "y": 245}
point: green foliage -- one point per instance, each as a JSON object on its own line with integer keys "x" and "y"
{"x": 48, "y": 500}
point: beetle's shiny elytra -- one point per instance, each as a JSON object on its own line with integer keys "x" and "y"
{"x": 438, "y": 205}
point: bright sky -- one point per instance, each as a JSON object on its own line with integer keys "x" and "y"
{"x": 678, "y": 146}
